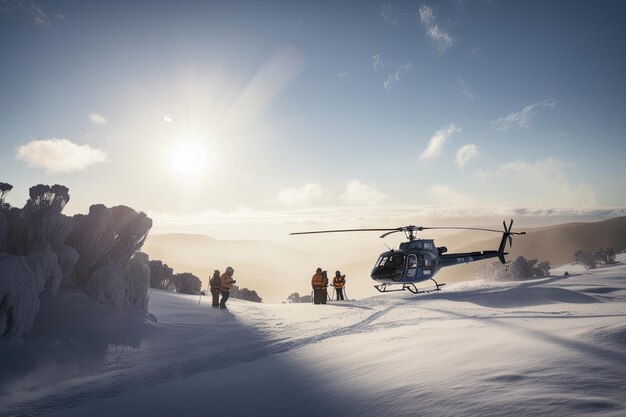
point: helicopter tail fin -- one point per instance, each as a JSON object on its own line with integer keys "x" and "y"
{"x": 506, "y": 235}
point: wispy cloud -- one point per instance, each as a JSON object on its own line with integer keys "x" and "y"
{"x": 378, "y": 62}
{"x": 394, "y": 78}
{"x": 389, "y": 12}
{"x": 439, "y": 37}
{"x": 465, "y": 153}
{"x": 97, "y": 118}
{"x": 59, "y": 155}
{"x": 545, "y": 180}
{"x": 522, "y": 118}
{"x": 360, "y": 194}
{"x": 383, "y": 215}
{"x": 437, "y": 141}
{"x": 444, "y": 194}
{"x": 306, "y": 195}
{"x": 343, "y": 76}
{"x": 466, "y": 90}
{"x": 38, "y": 15}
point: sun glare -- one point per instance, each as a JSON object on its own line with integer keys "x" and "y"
{"x": 188, "y": 158}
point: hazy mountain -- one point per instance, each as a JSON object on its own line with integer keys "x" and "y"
{"x": 276, "y": 270}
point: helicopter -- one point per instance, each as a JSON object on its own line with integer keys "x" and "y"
{"x": 419, "y": 260}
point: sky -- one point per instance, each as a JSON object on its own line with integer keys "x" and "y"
{"x": 250, "y": 118}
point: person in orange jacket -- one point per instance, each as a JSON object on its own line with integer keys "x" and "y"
{"x": 338, "y": 282}
{"x": 319, "y": 285}
{"x": 226, "y": 283}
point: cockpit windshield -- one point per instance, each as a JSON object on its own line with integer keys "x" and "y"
{"x": 391, "y": 260}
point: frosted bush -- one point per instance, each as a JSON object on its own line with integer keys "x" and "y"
{"x": 106, "y": 285}
{"x": 137, "y": 275}
{"x": 4, "y": 232}
{"x": 23, "y": 280}
{"x": 106, "y": 235}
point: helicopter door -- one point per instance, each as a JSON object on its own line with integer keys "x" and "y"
{"x": 411, "y": 266}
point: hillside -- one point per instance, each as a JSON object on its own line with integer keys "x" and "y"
{"x": 271, "y": 269}
{"x": 552, "y": 346}
{"x": 276, "y": 270}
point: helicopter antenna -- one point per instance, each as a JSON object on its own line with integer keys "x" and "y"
{"x": 387, "y": 246}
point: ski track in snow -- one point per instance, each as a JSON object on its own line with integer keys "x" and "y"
{"x": 255, "y": 332}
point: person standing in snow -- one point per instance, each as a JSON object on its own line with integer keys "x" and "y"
{"x": 317, "y": 283}
{"x": 215, "y": 284}
{"x": 226, "y": 282}
{"x": 338, "y": 282}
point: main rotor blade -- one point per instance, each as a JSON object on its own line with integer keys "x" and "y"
{"x": 464, "y": 228}
{"x": 342, "y": 230}
{"x": 384, "y": 235}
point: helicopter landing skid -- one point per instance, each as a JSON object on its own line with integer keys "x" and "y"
{"x": 409, "y": 286}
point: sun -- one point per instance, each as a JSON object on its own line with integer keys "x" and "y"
{"x": 188, "y": 158}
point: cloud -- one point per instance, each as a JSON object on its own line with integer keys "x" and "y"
{"x": 522, "y": 117}
{"x": 37, "y": 13}
{"x": 59, "y": 155}
{"x": 444, "y": 194}
{"x": 391, "y": 215}
{"x": 378, "y": 62}
{"x": 466, "y": 90}
{"x": 439, "y": 37}
{"x": 97, "y": 119}
{"x": 343, "y": 76}
{"x": 395, "y": 77}
{"x": 438, "y": 140}
{"x": 389, "y": 12}
{"x": 465, "y": 153}
{"x": 545, "y": 181}
{"x": 304, "y": 196}
{"x": 359, "y": 194}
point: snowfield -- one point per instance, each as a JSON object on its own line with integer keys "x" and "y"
{"x": 554, "y": 346}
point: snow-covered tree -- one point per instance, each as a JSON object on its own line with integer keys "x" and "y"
{"x": 187, "y": 283}
{"x": 585, "y": 259}
{"x": 519, "y": 269}
{"x": 161, "y": 276}
{"x": 23, "y": 281}
{"x": 107, "y": 235}
{"x": 137, "y": 275}
{"x": 244, "y": 294}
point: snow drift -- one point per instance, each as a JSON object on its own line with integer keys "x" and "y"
{"x": 551, "y": 346}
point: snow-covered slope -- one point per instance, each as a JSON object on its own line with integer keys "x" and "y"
{"x": 555, "y": 346}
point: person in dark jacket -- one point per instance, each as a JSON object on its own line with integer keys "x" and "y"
{"x": 338, "y": 282}
{"x": 215, "y": 284}
{"x": 227, "y": 282}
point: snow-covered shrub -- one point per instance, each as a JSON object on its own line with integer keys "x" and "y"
{"x": 67, "y": 258}
{"x": 106, "y": 235}
{"x": 585, "y": 259}
{"x": 244, "y": 294}
{"x": 296, "y": 298}
{"x": 23, "y": 280}
{"x": 4, "y": 190}
{"x": 137, "y": 275}
{"x": 4, "y": 232}
{"x": 187, "y": 283}
{"x": 42, "y": 214}
{"x": 161, "y": 276}
{"x": 605, "y": 256}
{"x": 519, "y": 269}
{"x": 106, "y": 285}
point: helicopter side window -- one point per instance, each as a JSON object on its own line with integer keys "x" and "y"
{"x": 411, "y": 265}
{"x": 392, "y": 261}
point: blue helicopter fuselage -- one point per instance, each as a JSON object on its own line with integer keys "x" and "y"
{"x": 419, "y": 260}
